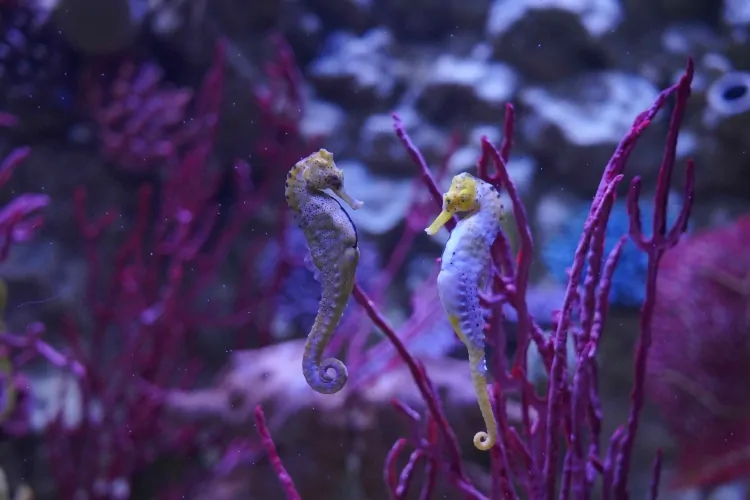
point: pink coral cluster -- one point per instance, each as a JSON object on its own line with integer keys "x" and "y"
{"x": 699, "y": 364}
{"x": 142, "y": 123}
{"x": 146, "y": 305}
{"x": 150, "y": 302}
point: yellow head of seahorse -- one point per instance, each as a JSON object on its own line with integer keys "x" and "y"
{"x": 322, "y": 173}
{"x": 461, "y": 197}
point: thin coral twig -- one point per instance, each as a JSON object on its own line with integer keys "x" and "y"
{"x": 660, "y": 241}
{"x": 557, "y": 384}
{"x": 460, "y": 479}
{"x": 278, "y": 467}
{"x": 655, "y": 476}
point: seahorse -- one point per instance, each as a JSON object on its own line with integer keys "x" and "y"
{"x": 332, "y": 237}
{"x": 464, "y": 270}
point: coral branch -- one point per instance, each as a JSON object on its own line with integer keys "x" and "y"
{"x": 458, "y": 475}
{"x": 32, "y": 344}
{"x": 557, "y": 388}
{"x": 653, "y": 492}
{"x": 273, "y": 456}
{"x": 660, "y": 242}
{"x": 571, "y": 412}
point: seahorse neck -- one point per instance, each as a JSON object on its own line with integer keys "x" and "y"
{"x": 295, "y": 188}
{"x": 489, "y": 201}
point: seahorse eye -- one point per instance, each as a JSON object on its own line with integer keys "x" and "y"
{"x": 334, "y": 181}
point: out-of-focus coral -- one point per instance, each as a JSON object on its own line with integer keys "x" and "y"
{"x": 551, "y": 39}
{"x": 32, "y": 57}
{"x": 471, "y": 89}
{"x": 140, "y": 122}
{"x": 144, "y": 308}
{"x": 19, "y": 221}
{"x": 627, "y": 282}
{"x": 573, "y": 126}
{"x": 143, "y": 123}
{"x": 20, "y": 218}
{"x": 701, "y": 356}
{"x": 98, "y": 27}
{"x": 657, "y": 54}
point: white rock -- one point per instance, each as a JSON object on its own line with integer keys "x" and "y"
{"x": 601, "y": 113}
{"x": 386, "y": 200}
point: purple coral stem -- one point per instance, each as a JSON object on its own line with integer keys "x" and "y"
{"x": 655, "y": 248}
{"x": 273, "y": 455}
{"x": 557, "y": 387}
{"x": 459, "y": 477}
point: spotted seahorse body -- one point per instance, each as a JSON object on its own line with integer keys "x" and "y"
{"x": 464, "y": 271}
{"x": 332, "y": 238}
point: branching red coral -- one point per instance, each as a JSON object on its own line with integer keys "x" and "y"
{"x": 147, "y": 306}
{"x": 143, "y": 124}
{"x": 570, "y": 410}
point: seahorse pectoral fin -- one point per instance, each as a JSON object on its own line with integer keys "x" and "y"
{"x": 352, "y": 202}
{"x": 482, "y": 440}
{"x": 439, "y": 222}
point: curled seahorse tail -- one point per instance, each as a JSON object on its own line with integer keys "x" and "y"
{"x": 328, "y": 376}
{"x": 483, "y": 440}
{"x": 323, "y": 375}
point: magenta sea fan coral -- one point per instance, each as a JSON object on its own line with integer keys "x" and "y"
{"x": 557, "y": 450}
{"x": 19, "y": 218}
{"x": 700, "y": 362}
{"x": 144, "y": 123}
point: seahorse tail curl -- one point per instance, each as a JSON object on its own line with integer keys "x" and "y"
{"x": 328, "y": 376}
{"x": 483, "y": 440}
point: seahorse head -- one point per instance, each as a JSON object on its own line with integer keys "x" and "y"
{"x": 461, "y": 197}
{"x": 322, "y": 173}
